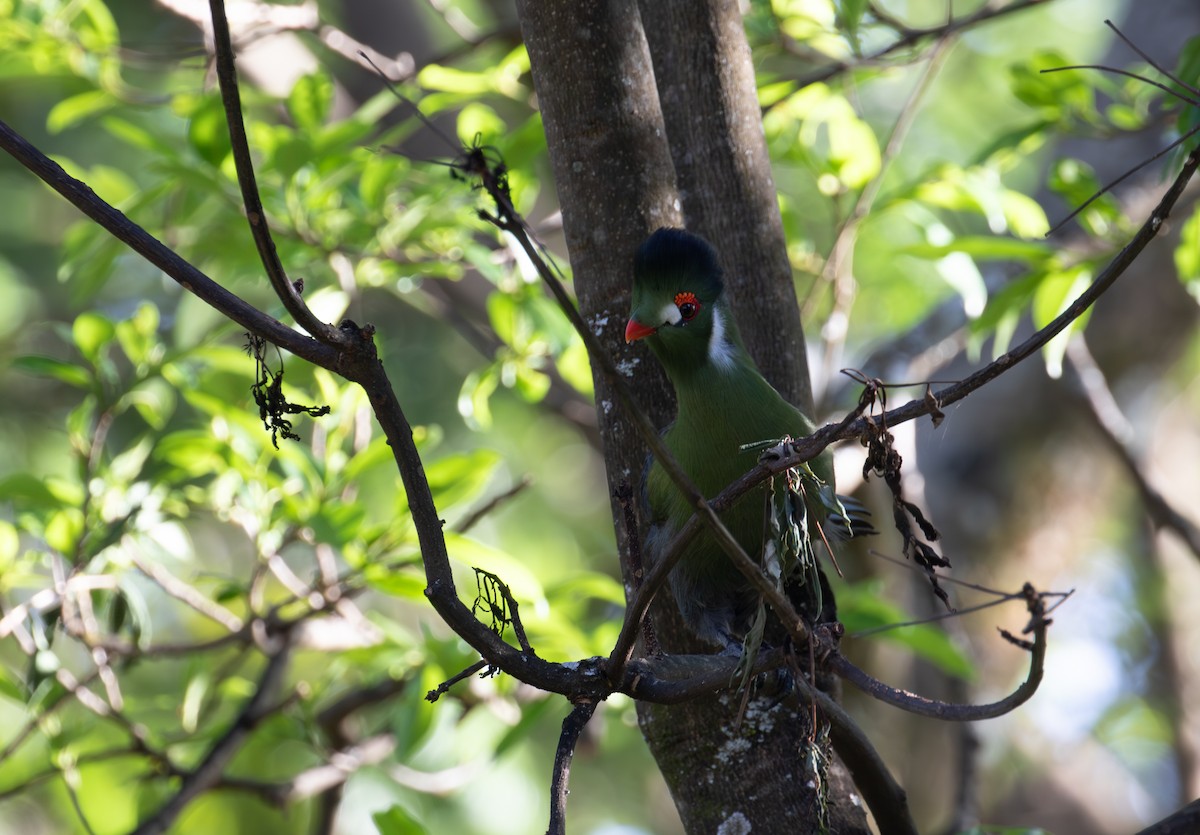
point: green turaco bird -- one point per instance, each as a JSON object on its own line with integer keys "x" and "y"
{"x": 680, "y": 311}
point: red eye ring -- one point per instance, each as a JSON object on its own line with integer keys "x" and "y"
{"x": 688, "y": 305}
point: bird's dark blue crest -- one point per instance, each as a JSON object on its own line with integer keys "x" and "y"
{"x": 676, "y": 259}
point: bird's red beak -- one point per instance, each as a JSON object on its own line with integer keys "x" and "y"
{"x": 636, "y": 330}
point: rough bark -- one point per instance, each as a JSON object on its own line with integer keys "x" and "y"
{"x": 706, "y": 85}
{"x": 616, "y": 182}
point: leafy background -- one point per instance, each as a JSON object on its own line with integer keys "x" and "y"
{"x": 131, "y": 441}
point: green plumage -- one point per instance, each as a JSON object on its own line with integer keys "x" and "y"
{"x": 723, "y": 404}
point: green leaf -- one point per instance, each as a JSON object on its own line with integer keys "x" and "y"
{"x": 575, "y": 367}
{"x": 1076, "y": 182}
{"x": 405, "y": 584}
{"x": 381, "y": 176}
{"x": 64, "y": 530}
{"x": 850, "y": 17}
{"x": 310, "y": 100}
{"x": 1054, "y": 294}
{"x": 985, "y": 247}
{"x": 862, "y": 607}
{"x": 1024, "y": 215}
{"x": 530, "y": 383}
{"x": 11, "y": 686}
{"x": 455, "y": 479}
{"x": 473, "y": 397}
{"x": 91, "y": 332}
{"x": 531, "y": 714}
{"x": 154, "y": 400}
{"x": 74, "y": 109}
{"x": 138, "y": 335}
{"x": 29, "y": 492}
{"x": 1188, "y": 70}
{"x": 65, "y": 372}
{"x": 1187, "y": 255}
{"x": 479, "y": 124}
{"x": 451, "y": 80}
{"x": 208, "y": 132}
{"x": 398, "y": 821}
{"x": 523, "y": 583}
{"x": 10, "y": 544}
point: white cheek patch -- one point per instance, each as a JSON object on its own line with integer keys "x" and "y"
{"x": 720, "y": 349}
{"x": 670, "y": 314}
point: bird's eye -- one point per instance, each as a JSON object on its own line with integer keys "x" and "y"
{"x": 688, "y": 305}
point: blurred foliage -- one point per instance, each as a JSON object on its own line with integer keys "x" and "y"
{"x": 136, "y": 464}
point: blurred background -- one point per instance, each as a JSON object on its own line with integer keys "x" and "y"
{"x": 130, "y": 444}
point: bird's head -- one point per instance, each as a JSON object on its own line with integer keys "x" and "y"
{"x": 679, "y": 305}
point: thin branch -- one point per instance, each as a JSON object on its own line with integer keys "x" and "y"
{"x": 911, "y": 37}
{"x": 188, "y": 595}
{"x": 475, "y": 516}
{"x": 212, "y": 768}
{"x": 436, "y": 693}
{"x": 231, "y": 98}
{"x": 332, "y": 715}
{"x": 1116, "y": 71}
{"x": 1150, "y": 60}
{"x": 572, "y": 727}
{"x": 1118, "y": 434}
{"x": 341, "y": 767}
{"x": 1111, "y": 185}
{"x": 911, "y": 702}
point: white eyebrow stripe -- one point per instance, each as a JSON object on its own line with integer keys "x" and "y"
{"x": 720, "y": 350}
{"x": 670, "y": 314}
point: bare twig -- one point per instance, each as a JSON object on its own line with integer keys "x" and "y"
{"x": 1118, "y": 434}
{"x": 444, "y": 687}
{"x": 475, "y": 516}
{"x": 1150, "y": 60}
{"x": 185, "y": 593}
{"x": 231, "y": 97}
{"x": 934, "y": 709}
{"x": 572, "y": 727}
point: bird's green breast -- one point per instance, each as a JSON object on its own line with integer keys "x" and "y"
{"x": 719, "y": 411}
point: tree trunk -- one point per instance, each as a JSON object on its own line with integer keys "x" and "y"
{"x": 709, "y": 99}
{"x": 616, "y": 182}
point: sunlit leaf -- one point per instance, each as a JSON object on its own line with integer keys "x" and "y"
{"x": 310, "y": 100}
{"x": 396, "y": 820}
{"x": 91, "y": 332}
{"x": 208, "y": 132}
{"x": 57, "y": 369}
{"x": 861, "y": 607}
{"x": 1187, "y": 255}
{"x": 75, "y": 109}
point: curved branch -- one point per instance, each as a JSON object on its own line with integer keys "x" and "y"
{"x": 934, "y": 709}
{"x": 572, "y": 727}
{"x": 231, "y": 98}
